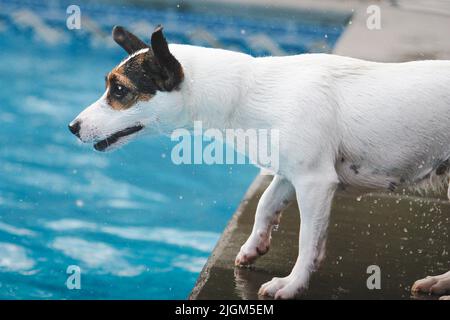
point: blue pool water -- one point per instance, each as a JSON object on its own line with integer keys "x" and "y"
{"x": 137, "y": 225}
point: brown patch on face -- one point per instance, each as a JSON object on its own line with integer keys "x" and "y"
{"x": 122, "y": 93}
{"x": 146, "y": 71}
{"x": 150, "y": 68}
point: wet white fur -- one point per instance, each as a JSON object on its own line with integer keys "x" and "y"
{"x": 134, "y": 54}
{"x": 389, "y": 121}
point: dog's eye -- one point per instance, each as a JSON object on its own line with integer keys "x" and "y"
{"x": 120, "y": 91}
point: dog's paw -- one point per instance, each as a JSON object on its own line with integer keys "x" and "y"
{"x": 281, "y": 288}
{"x": 437, "y": 285}
{"x": 270, "y": 288}
{"x": 253, "y": 248}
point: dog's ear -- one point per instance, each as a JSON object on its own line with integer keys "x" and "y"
{"x": 171, "y": 70}
{"x": 127, "y": 40}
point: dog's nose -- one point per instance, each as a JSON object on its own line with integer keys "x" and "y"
{"x": 74, "y": 127}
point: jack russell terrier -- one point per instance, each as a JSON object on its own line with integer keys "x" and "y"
{"x": 341, "y": 122}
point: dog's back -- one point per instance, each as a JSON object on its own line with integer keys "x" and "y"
{"x": 389, "y": 121}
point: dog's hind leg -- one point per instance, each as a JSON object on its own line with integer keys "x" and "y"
{"x": 273, "y": 201}
{"x": 437, "y": 285}
{"x": 315, "y": 192}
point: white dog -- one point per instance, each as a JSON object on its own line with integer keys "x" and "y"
{"x": 341, "y": 121}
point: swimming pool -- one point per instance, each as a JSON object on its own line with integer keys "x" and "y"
{"x": 137, "y": 225}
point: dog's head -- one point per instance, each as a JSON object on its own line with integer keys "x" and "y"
{"x": 142, "y": 94}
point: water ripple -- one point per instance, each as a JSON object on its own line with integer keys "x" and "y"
{"x": 97, "y": 256}
{"x": 14, "y": 258}
{"x": 16, "y": 231}
{"x": 198, "y": 240}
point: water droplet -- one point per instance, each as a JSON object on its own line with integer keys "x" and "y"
{"x": 79, "y": 203}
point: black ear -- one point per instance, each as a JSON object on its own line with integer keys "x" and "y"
{"x": 127, "y": 40}
{"x": 172, "y": 72}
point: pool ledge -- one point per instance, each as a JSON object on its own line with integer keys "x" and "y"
{"x": 405, "y": 235}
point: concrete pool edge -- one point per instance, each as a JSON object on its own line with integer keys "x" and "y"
{"x": 391, "y": 44}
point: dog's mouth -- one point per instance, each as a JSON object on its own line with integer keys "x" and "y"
{"x": 104, "y": 144}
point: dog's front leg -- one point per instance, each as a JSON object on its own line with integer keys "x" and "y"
{"x": 273, "y": 201}
{"x": 314, "y": 194}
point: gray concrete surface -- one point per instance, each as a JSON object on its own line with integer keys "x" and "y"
{"x": 407, "y": 33}
{"x": 406, "y": 235}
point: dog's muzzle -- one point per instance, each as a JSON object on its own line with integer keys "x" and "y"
{"x": 102, "y": 145}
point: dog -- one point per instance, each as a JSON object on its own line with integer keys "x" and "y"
{"x": 341, "y": 121}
